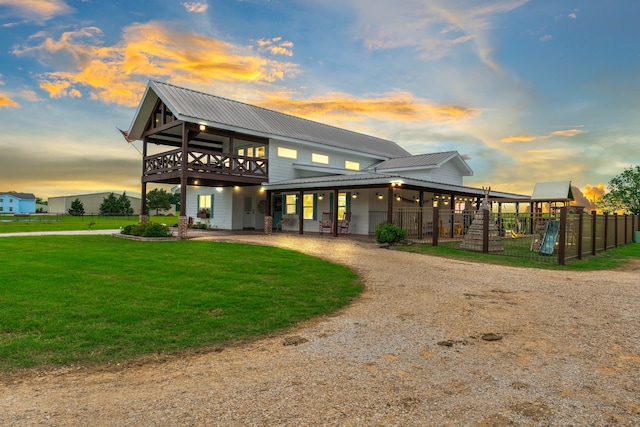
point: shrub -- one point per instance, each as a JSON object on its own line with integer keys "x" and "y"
{"x": 390, "y": 233}
{"x": 149, "y": 229}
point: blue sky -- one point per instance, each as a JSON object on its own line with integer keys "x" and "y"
{"x": 526, "y": 91}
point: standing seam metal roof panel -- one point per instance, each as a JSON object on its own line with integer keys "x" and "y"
{"x": 211, "y": 108}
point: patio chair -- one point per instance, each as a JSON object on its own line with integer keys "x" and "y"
{"x": 325, "y": 222}
{"x": 343, "y": 224}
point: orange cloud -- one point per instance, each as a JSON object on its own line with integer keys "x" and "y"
{"x": 529, "y": 138}
{"x": 594, "y": 192}
{"x": 5, "y": 101}
{"x": 395, "y": 106}
{"x": 36, "y": 10}
{"x": 117, "y": 74}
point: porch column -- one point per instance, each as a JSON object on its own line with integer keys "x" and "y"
{"x": 301, "y": 212}
{"x": 143, "y": 198}
{"x": 389, "y": 204}
{"x": 268, "y": 217}
{"x": 183, "y": 222}
{"x": 420, "y": 212}
{"x": 452, "y": 204}
{"x": 334, "y": 213}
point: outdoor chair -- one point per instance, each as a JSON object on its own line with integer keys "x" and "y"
{"x": 343, "y": 224}
{"x": 325, "y": 222}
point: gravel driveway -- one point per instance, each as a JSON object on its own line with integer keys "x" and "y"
{"x": 429, "y": 342}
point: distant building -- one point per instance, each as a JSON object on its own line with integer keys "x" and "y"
{"x": 90, "y": 202}
{"x": 17, "y": 203}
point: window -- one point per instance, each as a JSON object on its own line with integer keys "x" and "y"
{"x": 1, "y": 200}
{"x": 320, "y": 158}
{"x": 1, "y": 208}
{"x": 291, "y": 204}
{"x": 10, "y": 200}
{"x": 205, "y": 206}
{"x": 288, "y": 153}
{"x": 10, "y": 209}
{"x": 342, "y": 205}
{"x": 251, "y": 151}
{"x": 352, "y": 166}
{"x": 308, "y": 206}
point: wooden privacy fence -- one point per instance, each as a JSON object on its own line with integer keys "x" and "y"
{"x": 568, "y": 233}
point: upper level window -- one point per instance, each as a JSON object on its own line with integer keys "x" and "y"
{"x": 353, "y": 166}
{"x": 288, "y": 153}
{"x": 251, "y": 151}
{"x": 320, "y": 158}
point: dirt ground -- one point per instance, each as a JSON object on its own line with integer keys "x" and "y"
{"x": 429, "y": 342}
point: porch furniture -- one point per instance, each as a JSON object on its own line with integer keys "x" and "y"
{"x": 343, "y": 224}
{"x": 325, "y": 222}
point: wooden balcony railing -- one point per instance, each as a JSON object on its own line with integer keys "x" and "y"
{"x": 207, "y": 162}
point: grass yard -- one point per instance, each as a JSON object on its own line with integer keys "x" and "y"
{"x": 41, "y": 222}
{"x": 522, "y": 257}
{"x": 94, "y": 299}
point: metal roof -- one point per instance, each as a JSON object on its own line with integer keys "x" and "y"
{"x": 552, "y": 191}
{"x": 421, "y": 161}
{"x": 382, "y": 179}
{"x": 198, "y": 107}
{"x": 22, "y": 196}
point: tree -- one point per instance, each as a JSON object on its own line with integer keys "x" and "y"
{"x": 158, "y": 199}
{"x": 77, "y": 208}
{"x": 125, "y": 204}
{"x": 175, "y": 199}
{"x": 624, "y": 192}
{"x": 112, "y": 205}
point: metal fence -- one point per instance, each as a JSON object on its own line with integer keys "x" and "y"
{"x": 567, "y": 233}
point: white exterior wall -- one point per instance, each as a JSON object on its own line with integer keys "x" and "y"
{"x": 448, "y": 174}
{"x": 281, "y": 169}
{"x": 228, "y": 207}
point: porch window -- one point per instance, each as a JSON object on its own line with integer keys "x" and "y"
{"x": 205, "y": 206}
{"x": 353, "y": 166}
{"x": 287, "y": 153}
{"x": 291, "y": 204}
{"x": 320, "y": 158}
{"x": 342, "y": 204}
{"x": 309, "y": 206}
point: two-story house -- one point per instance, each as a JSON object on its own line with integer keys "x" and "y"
{"x": 17, "y": 203}
{"x": 241, "y": 166}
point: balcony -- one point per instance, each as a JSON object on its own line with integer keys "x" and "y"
{"x": 209, "y": 166}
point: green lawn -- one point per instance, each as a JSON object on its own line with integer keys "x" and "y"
{"x": 41, "y": 222}
{"x": 94, "y": 299}
{"x": 523, "y": 257}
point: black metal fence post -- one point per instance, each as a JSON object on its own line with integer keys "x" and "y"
{"x": 580, "y": 232}
{"x": 562, "y": 236}
{"x": 436, "y": 226}
{"x": 485, "y": 231}
{"x": 594, "y": 231}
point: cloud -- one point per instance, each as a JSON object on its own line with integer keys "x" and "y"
{"x": 396, "y": 106}
{"x": 434, "y": 28}
{"x": 194, "y": 7}
{"x": 6, "y": 101}
{"x": 530, "y": 138}
{"x": 36, "y": 10}
{"x": 275, "y": 46}
{"x": 594, "y": 192}
{"x": 546, "y": 38}
{"x": 573, "y": 16}
{"x": 118, "y": 74}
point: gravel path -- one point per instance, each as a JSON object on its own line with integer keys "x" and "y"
{"x": 412, "y": 351}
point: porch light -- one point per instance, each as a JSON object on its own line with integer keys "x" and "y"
{"x": 320, "y": 196}
{"x": 202, "y": 127}
{"x": 380, "y": 196}
{"x": 398, "y": 198}
{"x": 236, "y": 187}
{"x": 354, "y": 196}
{"x": 219, "y": 189}
{"x": 396, "y": 183}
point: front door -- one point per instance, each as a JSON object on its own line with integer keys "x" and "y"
{"x": 249, "y": 216}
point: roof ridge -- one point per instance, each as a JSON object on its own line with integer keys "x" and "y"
{"x": 276, "y": 112}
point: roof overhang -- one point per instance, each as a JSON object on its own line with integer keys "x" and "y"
{"x": 370, "y": 179}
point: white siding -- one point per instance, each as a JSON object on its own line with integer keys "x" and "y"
{"x": 448, "y": 174}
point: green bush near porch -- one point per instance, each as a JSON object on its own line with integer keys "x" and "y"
{"x": 85, "y": 300}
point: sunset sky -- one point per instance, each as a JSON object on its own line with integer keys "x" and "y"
{"x": 526, "y": 91}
